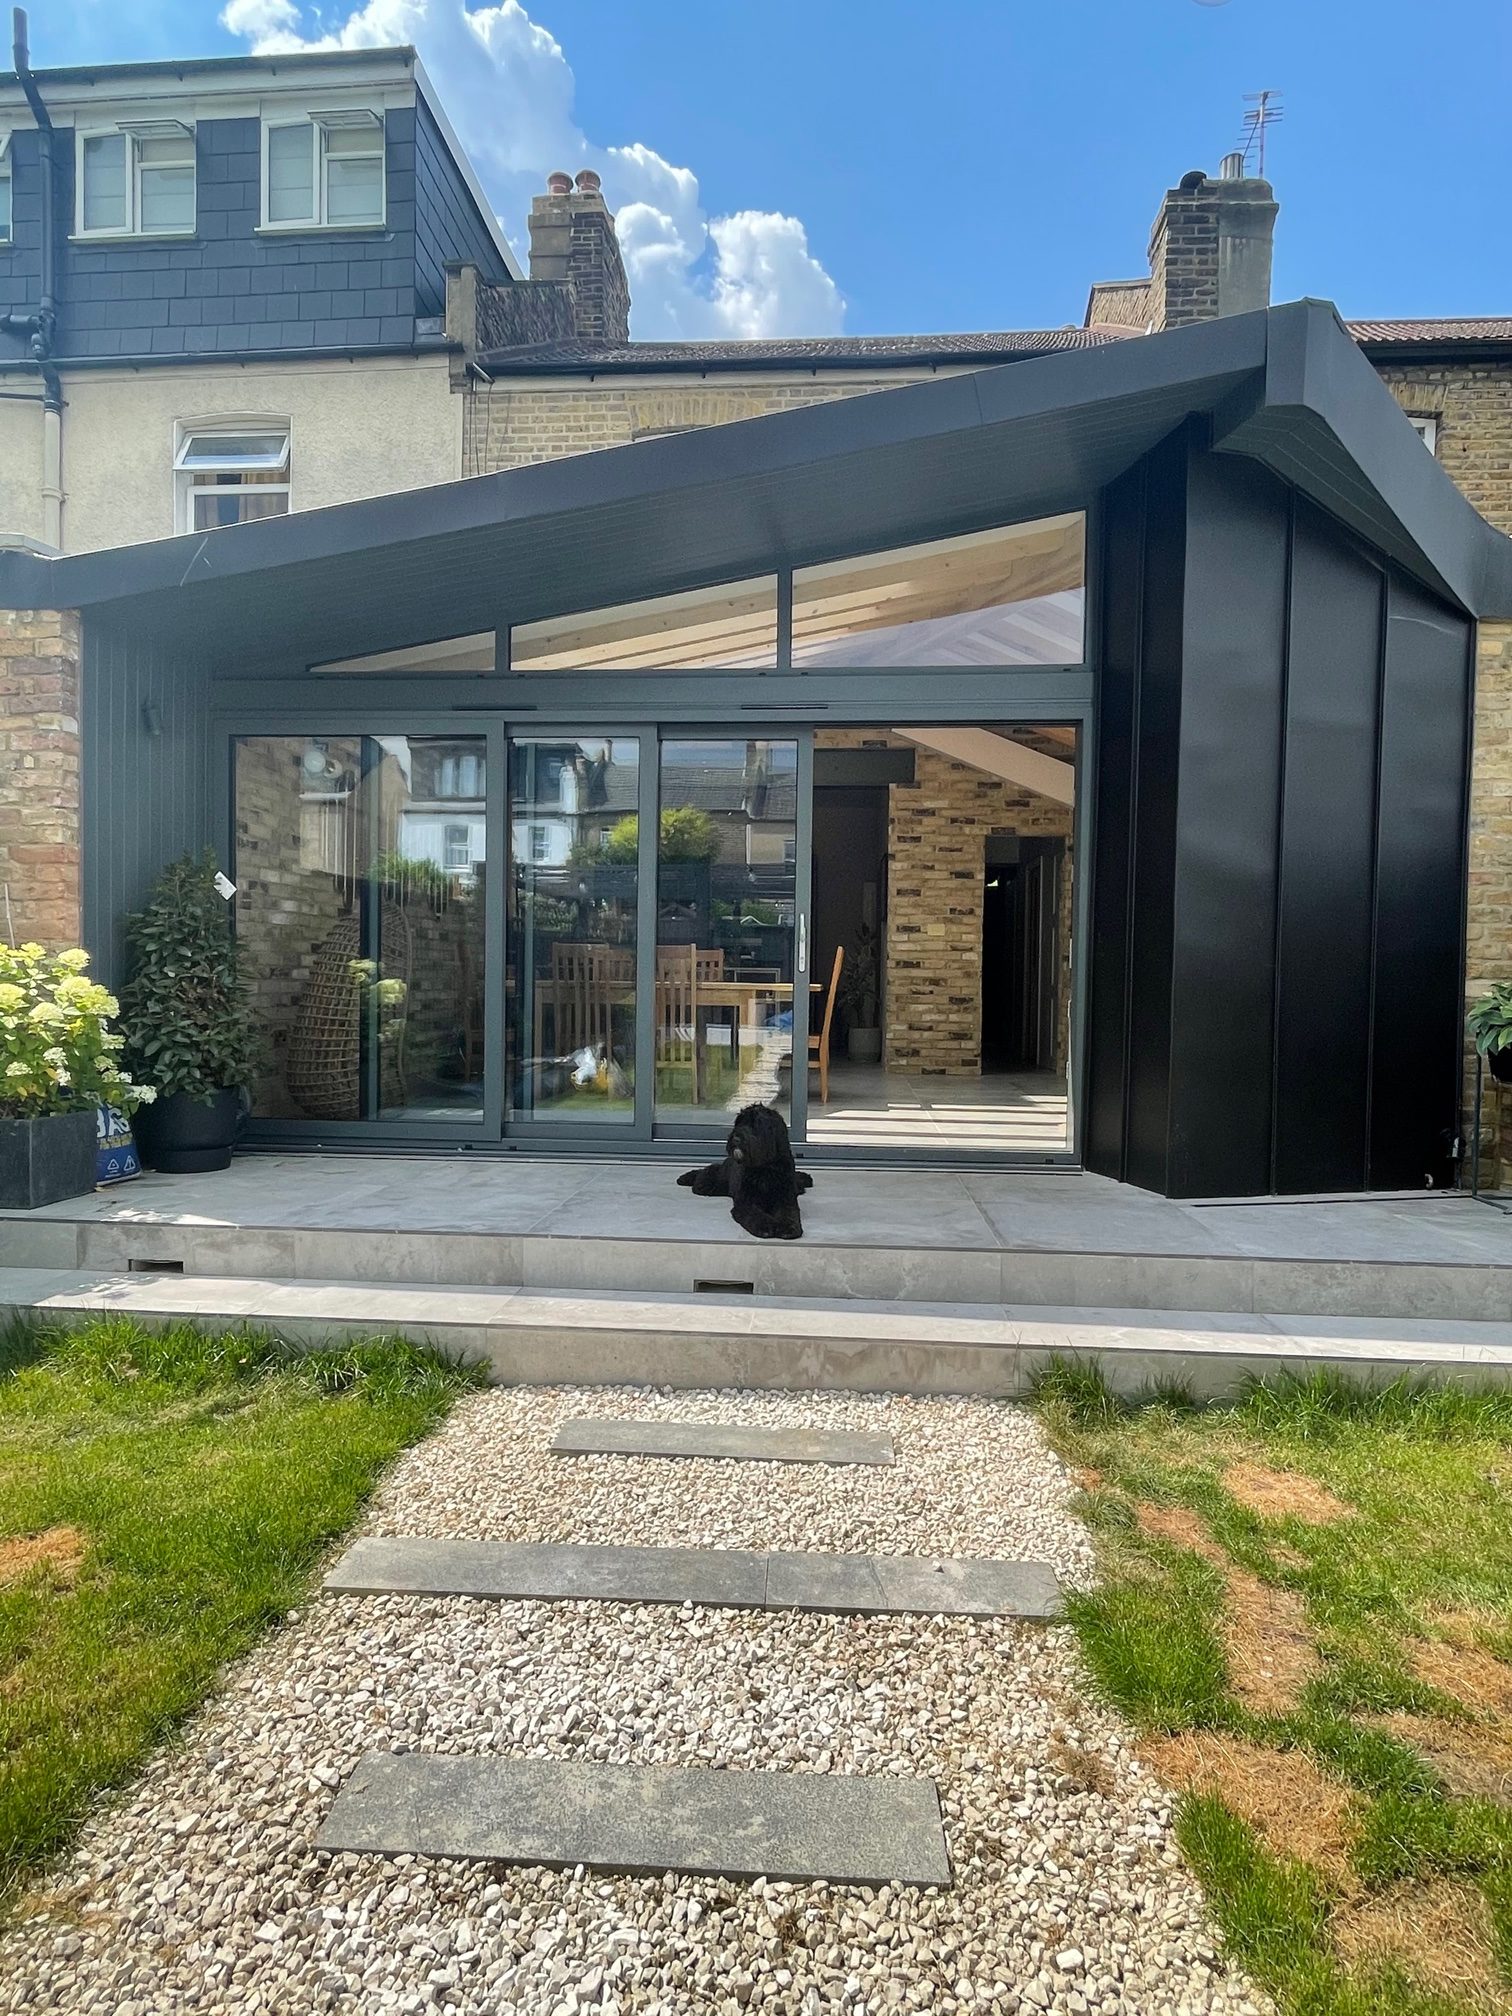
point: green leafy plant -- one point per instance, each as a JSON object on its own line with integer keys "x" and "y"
{"x": 687, "y": 834}
{"x": 1490, "y": 1019}
{"x": 409, "y": 881}
{"x": 58, "y": 1053}
{"x": 859, "y": 980}
{"x": 184, "y": 1010}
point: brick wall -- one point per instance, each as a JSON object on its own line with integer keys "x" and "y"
{"x": 507, "y": 425}
{"x": 937, "y": 832}
{"x": 39, "y": 775}
{"x": 1471, "y": 405}
{"x": 1488, "y": 950}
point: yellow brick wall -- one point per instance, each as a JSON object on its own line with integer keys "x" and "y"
{"x": 536, "y": 420}
{"x": 1488, "y": 923}
{"x": 39, "y": 776}
{"x": 1472, "y": 406}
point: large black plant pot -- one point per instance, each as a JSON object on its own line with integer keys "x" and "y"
{"x": 183, "y": 1135}
{"x": 1500, "y": 1065}
{"x": 44, "y": 1161}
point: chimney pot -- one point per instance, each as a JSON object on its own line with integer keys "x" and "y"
{"x": 1231, "y": 168}
{"x": 1192, "y": 180}
{"x": 588, "y": 182}
{"x": 559, "y": 184}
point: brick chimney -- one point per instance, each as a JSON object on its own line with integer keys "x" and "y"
{"x": 573, "y": 242}
{"x": 1210, "y": 247}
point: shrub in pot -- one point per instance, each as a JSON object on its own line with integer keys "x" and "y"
{"x": 187, "y": 1021}
{"x": 859, "y": 992}
{"x": 59, "y": 1059}
{"x": 1490, "y": 1024}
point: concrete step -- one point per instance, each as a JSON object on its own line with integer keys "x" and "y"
{"x": 643, "y": 1819}
{"x": 722, "y": 1578}
{"x": 787, "y": 1343}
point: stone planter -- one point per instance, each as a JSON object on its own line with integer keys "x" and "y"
{"x": 182, "y": 1135}
{"x": 864, "y": 1046}
{"x": 44, "y": 1161}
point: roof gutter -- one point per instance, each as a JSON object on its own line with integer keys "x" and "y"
{"x": 40, "y": 328}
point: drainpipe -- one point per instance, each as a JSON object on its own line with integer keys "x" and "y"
{"x": 41, "y": 329}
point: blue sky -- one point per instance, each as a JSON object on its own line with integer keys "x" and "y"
{"x": 804, "y": 165}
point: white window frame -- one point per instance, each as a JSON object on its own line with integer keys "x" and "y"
{"x": 448, "y": 844}
{"x": 7, "y": 214}
{"x": 1425, "y": 426}
{"x": 184, "y": 487}
{"x": 133, "y": 132}
{"x": 344, "y": 119}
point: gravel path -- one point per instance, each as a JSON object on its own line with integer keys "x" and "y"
{"x": 198, "y": 1889}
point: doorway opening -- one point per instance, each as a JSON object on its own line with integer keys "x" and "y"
{"x": 942, "y": 907}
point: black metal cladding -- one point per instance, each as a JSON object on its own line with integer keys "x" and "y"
{"x": 1276, "y": 976}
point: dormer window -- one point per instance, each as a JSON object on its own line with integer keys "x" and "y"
{"x": 324, "y": 170}
{"x": 136, "y": 180}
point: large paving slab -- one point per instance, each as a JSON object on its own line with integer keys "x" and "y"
{"x": 593, "y": 1436}
{"x": 731, "y": 1578}
{"x": 643, "y": 1819}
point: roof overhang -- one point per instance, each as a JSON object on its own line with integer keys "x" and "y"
{"x": 1286, "y": 387}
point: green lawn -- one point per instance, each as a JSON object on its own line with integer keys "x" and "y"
{"x": 1307, "y": 1610}
{"x": 164, "y": 1497}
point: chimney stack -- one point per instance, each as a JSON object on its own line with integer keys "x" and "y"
{"x": 573, "y": 242}
{"x": 1210, "y": 247}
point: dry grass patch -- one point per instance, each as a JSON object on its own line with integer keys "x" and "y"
{"x": 1271, "y": 1654}
{"x": 1439, "y": 1933}
{"x": 1474, "y": 1760}
{"x": 1182, "y": 1528}
{"x": 1283, "y": 1494}
{"x": 59, "y": 1551}
{"x": 1466, "y": 1672}
{"x": 1295, "y": 1808}
{"x": 1085, "y": 1768}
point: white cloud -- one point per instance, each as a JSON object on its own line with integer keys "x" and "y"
{"x": 508, "y": 88}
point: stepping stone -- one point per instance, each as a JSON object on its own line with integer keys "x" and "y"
{"x": 643, "y": 1819}
{"x": 731, "y": 1578}
{"x": 592, "y": 1437}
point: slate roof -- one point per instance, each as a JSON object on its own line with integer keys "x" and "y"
{"x": 970, "y": 347}
{"x": 978, "y": 347}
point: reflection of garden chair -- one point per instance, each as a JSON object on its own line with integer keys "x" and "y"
{"x": 586, "y": 984}
{"x": 819, "y": 1043}
{"x": 679, "y": 971}
{"x": 323, "y": 1069}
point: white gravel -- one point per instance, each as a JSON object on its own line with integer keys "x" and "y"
{"x": 198, "y": 1890}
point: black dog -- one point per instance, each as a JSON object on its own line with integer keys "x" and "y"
{"x": 758, "y": 1175}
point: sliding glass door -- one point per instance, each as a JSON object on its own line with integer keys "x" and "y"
{"x": 729, "y": 1024}
{"x": 575, "y": 936}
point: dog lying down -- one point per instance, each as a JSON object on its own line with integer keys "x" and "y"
{"x": 758, "y": 1175}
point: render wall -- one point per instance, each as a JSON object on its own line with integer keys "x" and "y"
{"x": 357, "y": 429}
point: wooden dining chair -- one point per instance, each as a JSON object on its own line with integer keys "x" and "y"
{"x": 819, "y": 1041}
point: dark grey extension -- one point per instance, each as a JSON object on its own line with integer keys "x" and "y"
{"x": 643, "y": 1819}
{"x": 585, "y": 1436}
{"x": 724, "y": 1577}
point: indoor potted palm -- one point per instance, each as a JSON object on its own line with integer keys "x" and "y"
{"x": 1490, "y": 1024}
{"x": 59, "y": 1060}
{"x": 187, "y": 1021}
{"x": 859, "y": 997}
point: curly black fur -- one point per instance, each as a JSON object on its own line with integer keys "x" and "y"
{"x": 758, "y": 1175}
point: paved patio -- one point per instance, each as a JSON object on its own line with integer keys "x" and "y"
{"x": 975, "y": 1212}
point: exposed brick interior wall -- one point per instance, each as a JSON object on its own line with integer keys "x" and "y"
{"x": 937, "y": 833}
{"x": 510, "y": 424}
{"x": 39, "y": 775}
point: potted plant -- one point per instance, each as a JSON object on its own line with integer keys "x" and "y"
{"x": 58, "y": 1061}
{"x": 1490, "y": 1024}
{"x": 860, "y": 998}
{"x": 187, "y": 1021}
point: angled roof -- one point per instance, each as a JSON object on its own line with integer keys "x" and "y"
{"x": 1444, "y": 331}
{"x": 1286, "y": 386}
